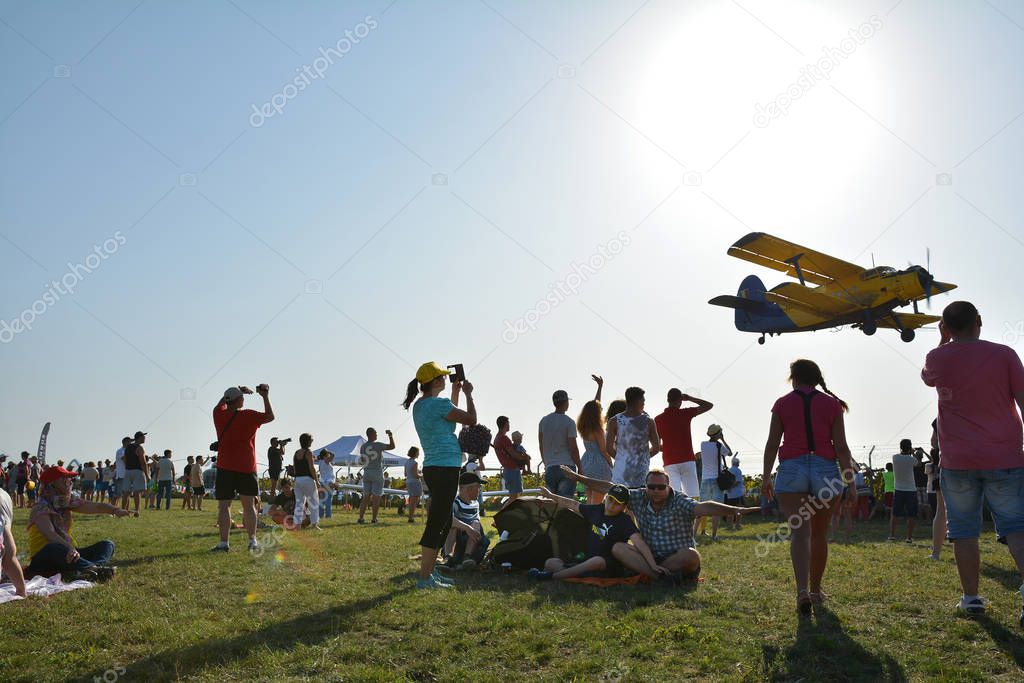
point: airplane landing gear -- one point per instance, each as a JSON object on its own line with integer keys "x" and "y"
{"x": 760, "y": 340}
{"x": 869, "y": 326}
{"x": 907, "y": 335}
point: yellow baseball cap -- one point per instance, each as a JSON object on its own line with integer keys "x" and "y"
{"x": 428, "y": 372}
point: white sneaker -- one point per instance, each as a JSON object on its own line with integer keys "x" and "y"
{"x": 975, "y": 605}
{"x": 253, "y": 544}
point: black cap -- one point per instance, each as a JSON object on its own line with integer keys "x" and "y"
{"x": 467, "y": 478}
{"x": 138, "y": 434}
{"x": 619, "y": 493}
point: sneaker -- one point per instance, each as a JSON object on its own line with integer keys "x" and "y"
{"x": 253, "y": 544}
{"x": 430, "y": 582}
{"x": 373, "y": 521}
{"x": 317, "y": 527}
{"x": 412, "y": 521}
{"x": 467, "y": 564}
{"x": 975, "y": 605}
{"x": 104, "y": 573}
{"x": 360, "y": 521}
{"x": 910, "y": 541}
{"x": 891, "y": 538}
{"x": 539, "y": 574}
{"x": 441, "y": 578}
{"x": 934, "y": 557}
{"x": 219, "y": 548}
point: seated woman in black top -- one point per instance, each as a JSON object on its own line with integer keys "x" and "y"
{"x": 614, "y": 543}
{"x": 283, "y": 505}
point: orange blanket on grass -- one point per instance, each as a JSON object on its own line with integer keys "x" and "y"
{"x": 634, "y": 580}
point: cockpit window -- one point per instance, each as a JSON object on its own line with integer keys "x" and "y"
{"x": 881, "y": 271}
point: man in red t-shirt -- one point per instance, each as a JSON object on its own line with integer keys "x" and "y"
{"x": 511, "y": 461}
{"x": 676, "y": 443}
{"x": 981, "y": 442}
{"x": 236, "y": 458}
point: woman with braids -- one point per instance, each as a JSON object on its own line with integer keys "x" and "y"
{"x": 809, "y": 425}
{"x": 435, "y": 419}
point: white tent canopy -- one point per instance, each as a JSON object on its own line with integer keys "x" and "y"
{"x": 346, "y": 452}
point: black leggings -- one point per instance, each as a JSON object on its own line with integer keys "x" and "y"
{"x": 443, "y": 483}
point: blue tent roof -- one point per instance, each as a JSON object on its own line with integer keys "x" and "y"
{"x": 346, "y": 452}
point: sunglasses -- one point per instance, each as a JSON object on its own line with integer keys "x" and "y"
{"x": 657, "y": 487}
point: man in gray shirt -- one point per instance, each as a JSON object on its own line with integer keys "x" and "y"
{"x": 557, "y": 438}
{"x": 371, "y": 455}
{"x": 164, "y": 480}
{"x": 904, "y": 499}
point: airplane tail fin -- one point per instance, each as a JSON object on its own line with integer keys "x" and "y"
{"x": 754, "y": 313}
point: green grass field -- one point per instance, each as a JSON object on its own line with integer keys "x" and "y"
{"x": 340, "y": 605}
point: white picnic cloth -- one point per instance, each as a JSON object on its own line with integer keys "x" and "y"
{"x": 41, "y": 586}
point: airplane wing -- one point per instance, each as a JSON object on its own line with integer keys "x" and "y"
{"x": 778, "y": 254}
{"x": 909, "y": 321}
{"x": 822, "y": 305}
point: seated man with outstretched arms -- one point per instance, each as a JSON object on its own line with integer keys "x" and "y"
{"x": 614, "y": 544}
{"x": 666, "y": 519}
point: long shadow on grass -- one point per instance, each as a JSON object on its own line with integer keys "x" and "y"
{"x": 1010, "y": 578}
{"x": 823, "y": 651}
{"x": 150, "y": 559}
{"x": 1009, "y": 642}
{"x": 307, "y": 629}
{"x": 546, "y": 593}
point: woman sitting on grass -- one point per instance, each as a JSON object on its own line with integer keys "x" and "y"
{"x": 614, "y": 543}
{"x": 51, "y": 545}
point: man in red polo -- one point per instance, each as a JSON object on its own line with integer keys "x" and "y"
{"x": 676, "y": 443}
{"x": 236, "y": 459}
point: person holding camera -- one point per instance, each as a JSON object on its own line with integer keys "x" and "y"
{"x": 435, "y": 419}
{"x": 275, "y": 461}
{"x": 371, "y": 454}
{"x": 236, "y": 458}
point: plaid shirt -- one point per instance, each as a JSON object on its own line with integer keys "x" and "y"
{"x": 670, "y": 529}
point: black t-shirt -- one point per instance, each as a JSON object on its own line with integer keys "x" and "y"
{"x": 606, "y": 531}
{"x": 132, "y": 458}
{"x": 275, "y": 456}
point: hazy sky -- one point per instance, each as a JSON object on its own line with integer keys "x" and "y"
{"x": 450, "y": 171}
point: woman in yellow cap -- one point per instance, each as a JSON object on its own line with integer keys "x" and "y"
{"x": 435, "y": 419}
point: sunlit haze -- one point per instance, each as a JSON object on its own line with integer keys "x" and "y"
{"x": 538, "y": 191}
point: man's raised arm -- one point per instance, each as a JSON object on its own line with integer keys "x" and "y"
{"x": 596, "y": 484}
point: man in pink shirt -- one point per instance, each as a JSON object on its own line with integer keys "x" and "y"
{"x": 981, "y": 442}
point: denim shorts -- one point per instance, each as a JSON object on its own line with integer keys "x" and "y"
{"x": 809, "y": 474}
{"x": 558, "y": 483}
{"x": 967, "y": 491}
{"x": 513, "y": 478}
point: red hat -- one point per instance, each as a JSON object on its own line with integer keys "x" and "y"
{"x": 52, "y": 474}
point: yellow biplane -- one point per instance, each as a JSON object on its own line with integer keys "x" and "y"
{"x": 846, "y": 294}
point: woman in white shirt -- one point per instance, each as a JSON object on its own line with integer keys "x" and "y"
{"x": 325, "y": 463}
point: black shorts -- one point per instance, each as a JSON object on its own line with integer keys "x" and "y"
{"x": 274, "y": 472}
{"x": 904, "y": 504}
{"x": 230, "y": 483}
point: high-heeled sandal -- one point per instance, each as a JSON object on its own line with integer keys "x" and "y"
{"x": 803, "y": 602}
